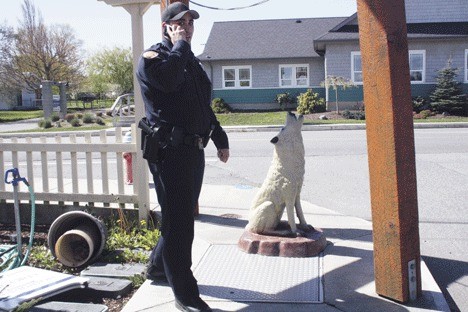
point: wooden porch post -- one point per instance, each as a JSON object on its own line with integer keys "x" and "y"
{"x": 137, "y": 9}
{"x": 390, "y": 140}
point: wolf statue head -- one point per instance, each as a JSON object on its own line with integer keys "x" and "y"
{"x": 289, "y": 139}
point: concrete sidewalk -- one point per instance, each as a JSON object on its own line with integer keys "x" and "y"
{"x": 345, "y": 279}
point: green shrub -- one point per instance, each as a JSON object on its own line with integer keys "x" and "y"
{"x": 419, "y": 104}
{"x": 69, "y": 117}
{"x": 127, "y": 241}
{"x": 284, "y": 99}
{"x": 55, "y": 117}
{"x": 358, "y": 115}
{"x": 75, "y": 122}
{"x": 219, "y": 106}
{"x": 89, "y": 118}
{"x": 79, "y": 115}
{"x": 45, "y": 123}
{"x": 425, "y": 113}
{"x": 416, "y": 115}
{"x": 100, "y": 121}
{"x": 309, "y": 103}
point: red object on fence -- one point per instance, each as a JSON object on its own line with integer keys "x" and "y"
{"x": 128, "y": 168}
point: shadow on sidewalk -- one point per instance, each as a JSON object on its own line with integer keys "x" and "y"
{"x": 448, "y": 271}
{"x": 231, "y": 220}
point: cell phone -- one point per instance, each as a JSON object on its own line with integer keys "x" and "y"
{"x": 166, "y": 32}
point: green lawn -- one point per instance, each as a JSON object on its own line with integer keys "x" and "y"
{"x": 279, "y": 118}
{"x": 236, "y": 119}
{"x": 270, "y": 118}
{"x": 6, "y": 116}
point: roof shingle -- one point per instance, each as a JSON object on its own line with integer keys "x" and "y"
{"x": 266, "y": 39}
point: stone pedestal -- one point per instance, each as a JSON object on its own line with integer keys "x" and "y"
{"x": 309, "y": 245}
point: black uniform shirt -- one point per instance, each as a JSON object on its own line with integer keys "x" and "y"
{"x": 177, "y": 91}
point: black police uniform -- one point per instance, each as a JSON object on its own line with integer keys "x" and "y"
{"x": 177, "y": 95}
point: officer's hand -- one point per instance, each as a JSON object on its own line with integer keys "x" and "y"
{"x": 223, "y": 154}
{"x": 176, "y": 33}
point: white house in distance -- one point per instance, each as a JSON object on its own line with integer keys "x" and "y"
{"x": 297, "y": 54}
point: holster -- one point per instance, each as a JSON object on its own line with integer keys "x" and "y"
{"x": 150, "y": 141}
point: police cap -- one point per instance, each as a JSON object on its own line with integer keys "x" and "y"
{"x": 175, "y": 11}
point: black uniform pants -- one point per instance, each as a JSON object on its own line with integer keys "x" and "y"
{"x": 178, "y": 179}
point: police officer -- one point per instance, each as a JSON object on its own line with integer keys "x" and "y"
{"x": 177, "y": 96}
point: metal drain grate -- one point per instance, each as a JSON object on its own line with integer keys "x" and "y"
{"x": 225, "y": 272}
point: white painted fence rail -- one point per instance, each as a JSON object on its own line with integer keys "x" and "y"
{"x": 71, "y": 169}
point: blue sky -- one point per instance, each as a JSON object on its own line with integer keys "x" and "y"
{"x": 101, "y": 26}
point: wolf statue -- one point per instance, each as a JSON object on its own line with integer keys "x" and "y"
{"x": 282, "y": 187}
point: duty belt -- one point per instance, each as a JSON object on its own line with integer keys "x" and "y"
{"x": 177, "y": 136}
{"x": 194, "y": 140}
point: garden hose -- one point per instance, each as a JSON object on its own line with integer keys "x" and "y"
{"x": 12, "y": 254}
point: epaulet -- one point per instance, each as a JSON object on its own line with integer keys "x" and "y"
{"x": 150, "y": 54}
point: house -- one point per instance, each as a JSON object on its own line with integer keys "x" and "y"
{"x": 250, "y": 62}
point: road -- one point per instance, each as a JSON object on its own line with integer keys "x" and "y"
{"x": 337, "y": 178}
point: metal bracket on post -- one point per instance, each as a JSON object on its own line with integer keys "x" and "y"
{"x": 412, "y": 280}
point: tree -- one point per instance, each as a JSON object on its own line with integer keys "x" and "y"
{"x": 111, "y": 68}
{"x": 337, "y": 82}
{"x": 36, "y": 52}
{"x": 7, "y": 90}
{"x": 448, "y": 96}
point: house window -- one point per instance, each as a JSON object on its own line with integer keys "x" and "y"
{"x": 417, "y": 61}
{"x": 356, "y": 67}
{"x": 237, "y": 77}
{"x": 466, "y": 65}
{"x": 294, "y": 75}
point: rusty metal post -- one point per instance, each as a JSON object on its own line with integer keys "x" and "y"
{"x": 390, "y": 140}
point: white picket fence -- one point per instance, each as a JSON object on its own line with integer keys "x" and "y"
{"x": 82, "y": 170}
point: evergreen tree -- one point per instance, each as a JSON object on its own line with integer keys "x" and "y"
{"x": 448, "y": 96}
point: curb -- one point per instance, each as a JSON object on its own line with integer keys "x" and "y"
{"x": 264, "y": 128}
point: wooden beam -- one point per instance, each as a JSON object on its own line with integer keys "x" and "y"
{"x": 390, "y": 141}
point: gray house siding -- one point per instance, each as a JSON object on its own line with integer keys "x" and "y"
{"x": 265, "y": 73}
{"x": 338, "y": 58}
{"x": 265, "y": 82}
{"x": 437, "y": 53}
{"x": 431, "y": 11}
{"x": 338, "y": 63}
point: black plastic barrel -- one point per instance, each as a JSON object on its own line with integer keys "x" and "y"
{"x": 76, "y": 238}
